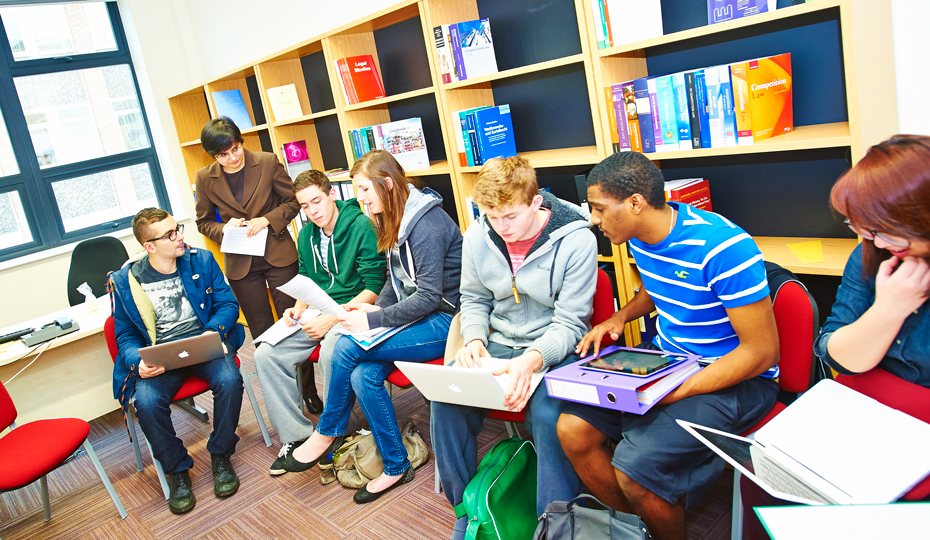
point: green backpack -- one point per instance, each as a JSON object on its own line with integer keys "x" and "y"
{"x": 500, "y": 501}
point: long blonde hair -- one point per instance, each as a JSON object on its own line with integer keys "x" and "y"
{"x": 378, "y": 165}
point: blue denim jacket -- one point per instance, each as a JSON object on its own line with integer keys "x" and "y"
{"x": 909, "y": 355}
{"x": 209, "y": 294}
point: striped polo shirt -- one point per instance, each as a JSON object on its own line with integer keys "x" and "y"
{"x": 705, "y": 265}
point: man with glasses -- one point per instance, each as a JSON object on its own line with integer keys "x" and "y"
{"x": 175, "y": 292}
{"x": 248, "y": 189}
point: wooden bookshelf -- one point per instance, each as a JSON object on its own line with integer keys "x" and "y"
{"x": 836, "y": 252}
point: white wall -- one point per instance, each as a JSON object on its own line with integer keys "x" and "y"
{"x": 178, "y": 44}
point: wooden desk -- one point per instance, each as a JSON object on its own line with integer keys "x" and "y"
{"x": 72, "y": 377}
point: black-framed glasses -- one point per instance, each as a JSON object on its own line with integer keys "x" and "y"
{"x": 171, "y": 235}
{"x": 871, "y": 235}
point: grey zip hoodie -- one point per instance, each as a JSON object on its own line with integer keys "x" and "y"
{"x": 555, "y": 283}
{"x": 425, "y": 268}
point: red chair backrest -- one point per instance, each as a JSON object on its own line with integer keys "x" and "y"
{"x": 603, "y": 302}
{"x": 7, "y": 408}
{"x": 109, "y": 333}
{"x": 797, "y": 320}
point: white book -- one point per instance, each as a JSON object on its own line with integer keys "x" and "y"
{"x": 284, "y": 102}
{"x": 404, "y": 140}
{"x": 634, "y": 20}
{"x": 477, "y": 48}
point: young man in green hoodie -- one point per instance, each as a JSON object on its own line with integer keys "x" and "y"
{"x": 338, "y": 251}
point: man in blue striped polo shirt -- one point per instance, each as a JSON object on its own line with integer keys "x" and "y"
{"x": 705, "y": 277}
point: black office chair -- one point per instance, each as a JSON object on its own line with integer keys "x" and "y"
{"x": 91, "y": 261}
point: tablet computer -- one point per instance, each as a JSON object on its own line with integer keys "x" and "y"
{"x": 637, "y": 362}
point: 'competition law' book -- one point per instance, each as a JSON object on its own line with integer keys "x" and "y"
{"x": 770, "y": 101}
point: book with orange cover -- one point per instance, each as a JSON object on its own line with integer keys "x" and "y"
{"x": 629, "y": 103}
{"x": 741, "y": 104}
{"x": 614, "y": 134}
{"x": 770, "y": 89}
{"x": 360, "y": 79}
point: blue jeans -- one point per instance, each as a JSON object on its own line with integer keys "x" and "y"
{"x": 357, "y": 372}
{"x": 454, "y": 431}
{"x": 153, "y": 395}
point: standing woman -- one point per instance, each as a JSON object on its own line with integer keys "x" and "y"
{"x": 424, "y": 255}
{"x": 881, "y": 317}
{"x": 248, "y": 189}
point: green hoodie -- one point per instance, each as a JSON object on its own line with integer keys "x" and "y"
{"x": 355, "y": 264}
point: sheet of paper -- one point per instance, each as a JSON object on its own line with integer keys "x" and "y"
{"x": 307, "y": 291}
{"x": 235, "y": 240}
{"x": 807, "y": 252}
{"x": 281, "y": 329}
{"x": 902, "y": 521}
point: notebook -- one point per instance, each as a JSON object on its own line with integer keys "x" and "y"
{"x": 833, "y": 445}
{"x": 474, "y": 387}
{"x": 183, "y": 352}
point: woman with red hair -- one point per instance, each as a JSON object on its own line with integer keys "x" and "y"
{"x": 880, "y": 317}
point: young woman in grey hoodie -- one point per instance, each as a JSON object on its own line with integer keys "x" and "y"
{"x": 423, "y": 247}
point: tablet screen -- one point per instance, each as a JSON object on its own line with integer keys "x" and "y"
{"x": 634, "y": 362}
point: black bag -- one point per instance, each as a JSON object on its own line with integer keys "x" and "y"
{"x": 570, "y": 520}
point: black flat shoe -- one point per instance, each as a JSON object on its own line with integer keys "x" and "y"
{"x": 363, "y": 496}
{"x": 291, "y": 463}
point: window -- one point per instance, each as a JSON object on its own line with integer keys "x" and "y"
{"x": 76, "y": 154}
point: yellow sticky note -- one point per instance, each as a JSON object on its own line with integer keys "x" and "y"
{"x": 807, "y": 252}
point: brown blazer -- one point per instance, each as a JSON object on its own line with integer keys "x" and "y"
{"x": 268, "y": 193}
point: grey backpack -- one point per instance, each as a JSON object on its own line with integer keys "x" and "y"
{"x": 570, "y": 520}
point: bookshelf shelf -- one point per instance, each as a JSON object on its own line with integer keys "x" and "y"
{"x": 195, "y": 142}
{"x": 506, "y": 74}
{"x": 305, "y": 118}
{"x": 720, "y": 28}
{"x": 836, "y": 252}
{"x": 255, "y": 129}
{"x": 561, "y": 157}
{"x": 435, "y": 167}
{"x": 374, "y": 103}
{"x": 802, "y": 138}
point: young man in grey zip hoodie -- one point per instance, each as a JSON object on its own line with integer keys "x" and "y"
{"x": 528, "y": 278}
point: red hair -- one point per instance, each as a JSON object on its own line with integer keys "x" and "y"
{"x": 888, "y": 190}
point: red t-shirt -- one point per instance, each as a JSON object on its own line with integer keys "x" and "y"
{"x": 519, "y": 249}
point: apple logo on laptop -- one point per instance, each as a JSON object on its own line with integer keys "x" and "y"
{"x": 455, "y": 389}
{"x": 183, "y": 354}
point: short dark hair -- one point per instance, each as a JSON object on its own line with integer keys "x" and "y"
{"x": 219, "y": 135}
{"x": 312, "y": 178}
{"x": 624, "y": 174}
{"x": 142, "y": 220}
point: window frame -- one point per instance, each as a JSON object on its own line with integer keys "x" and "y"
{"x": 35, "y": 184}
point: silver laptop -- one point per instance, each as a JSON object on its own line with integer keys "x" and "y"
{"x": 474, "y": 387}
{"x": 183, "y": 352}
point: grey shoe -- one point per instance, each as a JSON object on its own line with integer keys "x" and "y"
{"x": 225, "y": 481}
{"x": 181, "y": 497}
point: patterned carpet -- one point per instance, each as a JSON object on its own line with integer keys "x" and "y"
{"x": 289, "y": 506}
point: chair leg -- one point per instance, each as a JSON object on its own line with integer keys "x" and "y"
{"x": 159, "y": 471}
{"x": 736, "y": 520}
{"x": 43, "y": 483}
{"x": 437, "y": 485}
{"x": 191, "y": 407}
{"x": 105, "y": 479}
{"x": 300, "y": 387}
{"x": 258, "y": 412}
{"x": 131, "y": 426}
{"x": 512, "y": 430}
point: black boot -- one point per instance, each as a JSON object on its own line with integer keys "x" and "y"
{"x": 311, "y": 398}
{"x": 225, "y": 481}
{"x": 180, "y": 497}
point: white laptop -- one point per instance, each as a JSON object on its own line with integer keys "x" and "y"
{"x": 475, "y": 387}
{"x": 183, "y": 352}
{"x": 833, "y": 445}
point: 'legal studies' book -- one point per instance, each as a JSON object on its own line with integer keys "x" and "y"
{"x": 741, "y": 104}
{"x": 477, "y": 48}
{"x": 296, "y": 158}
{"x": 444, "y": 54}
{"x": 494, "y": 130}
{"x": 284, "y": 102}
{"x": 726, "y": 10}
{"x": 634, "y": 20}
{"x": 404, "y": 140}
{"x": 770, "y": 101}
{"x": 668, "y": 114}
{"x": 693, "y": 191}
{"x": 360, "y": 77}
{"x": 229, "y": 103}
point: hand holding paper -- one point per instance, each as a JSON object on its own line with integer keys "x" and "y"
{"x": 307, "y": 291}
{"x": 237, "y": 240}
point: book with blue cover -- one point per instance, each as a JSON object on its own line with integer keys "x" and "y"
{"x": 667, "y": 112}
{"x": 494, "y": 130}
{"x": 476, "y": 48}
{"x": 229, "y": 103}
{"x": 700, "y": 92}
{"x": 727, "y": 107}
{"x": 681, "y": 107}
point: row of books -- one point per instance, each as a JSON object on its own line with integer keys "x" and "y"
{"x": 618, "y": 22}
{"x": 713, "y": 107}
{"x": 484, "y": 133}
{"x": 359, "y": 79}
{"x": 403, "y": 139}
{"x": 465, "y": 50}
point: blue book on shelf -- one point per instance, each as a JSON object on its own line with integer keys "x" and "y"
{"x": 494, "y": 129}
{"x": 727, "y": 107}
{"x": 646, "y": 131}
{"x": 229, "y": 103}
{"x": 667, "y": 112}
{"x": 473, "y": 137}
{"x": 700, "y": 89}
{"x": 681, "y": 108}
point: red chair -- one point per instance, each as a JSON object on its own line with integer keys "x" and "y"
{"x": 31, "y": 451}
{"x": 798, "y": 323}
{"x": 193, "y": 386}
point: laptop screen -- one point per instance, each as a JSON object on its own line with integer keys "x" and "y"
{"x": 737, "y": 449}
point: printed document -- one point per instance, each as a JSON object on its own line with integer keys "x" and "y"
{"x": 281, "y": 329}
{"x": 307, "y": 291}
{"x": 235, "y": 240}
